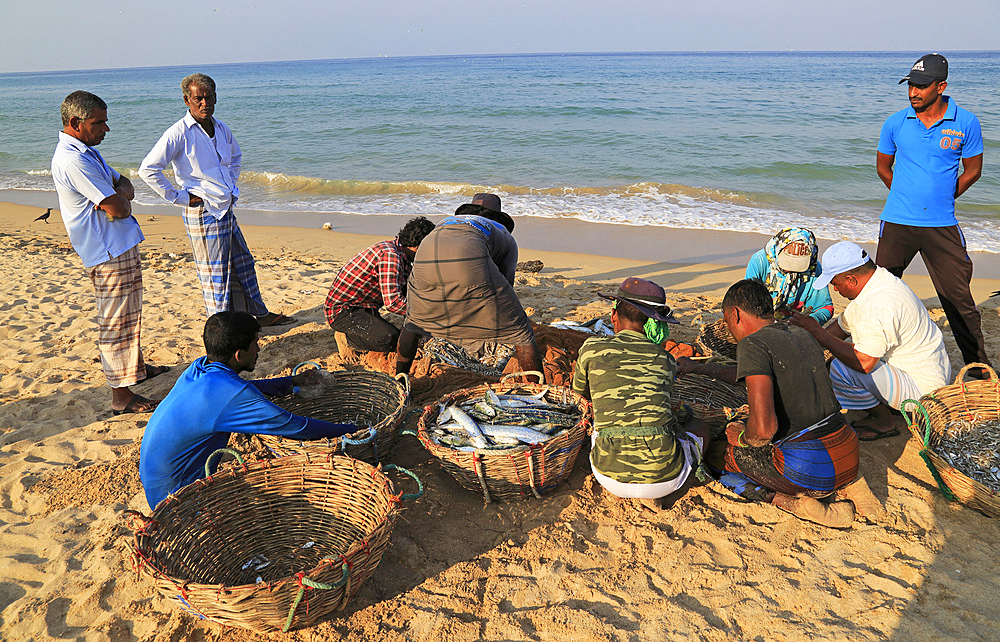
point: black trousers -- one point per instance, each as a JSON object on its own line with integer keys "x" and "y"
{"x": 366, "y": 330}
{"x": 950, "y": 268}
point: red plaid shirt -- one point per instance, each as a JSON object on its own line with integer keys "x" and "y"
{"x": 373, "y": 278}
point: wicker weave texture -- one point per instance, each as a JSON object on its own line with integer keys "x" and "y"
{"x": 716, "y": 340}
{"x": 357, "y": 396}
{"x": 711, "y": 400}
{"x": 975, "y": 402}
{"x": 196, "y": 545}
{"x": 517, "y": 472}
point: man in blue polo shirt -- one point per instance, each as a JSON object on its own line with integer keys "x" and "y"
{"x": 919, "y": 151}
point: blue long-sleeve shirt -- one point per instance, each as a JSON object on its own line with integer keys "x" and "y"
{"x": 806, "y": 296}
{"x": 208, "y": 402}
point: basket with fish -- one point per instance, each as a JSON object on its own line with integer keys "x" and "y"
{"x": 507, "y": 440}
{"x": 373, "y": 401}
{"x": 958, "y": 429}
{"x": 711, "y": 400}
{"x": 269, "y": 545}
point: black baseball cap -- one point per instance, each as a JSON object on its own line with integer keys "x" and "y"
{"x": 928, "y": 69}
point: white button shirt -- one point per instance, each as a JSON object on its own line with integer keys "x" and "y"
{"x": 203, "y": 166}
{"x": 83, "y": 179}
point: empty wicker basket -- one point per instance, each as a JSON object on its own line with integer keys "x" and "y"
{"x": 974, "y": 402}
{"x": 516, "y": 472}
{"x": 360, "y": 397}
{"x": 270, "y": 545}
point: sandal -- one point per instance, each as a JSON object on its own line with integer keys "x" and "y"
{"x": 871, "y": 434}
{"x": 155, "y": 371}
{"x": 273, "y": 318}
{"x": 137, "y": 404}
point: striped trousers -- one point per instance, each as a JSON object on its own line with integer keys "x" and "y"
{"x": 118, "y": 293}
{"x": 861, "y": 391}
{"x": 224, "y": 263}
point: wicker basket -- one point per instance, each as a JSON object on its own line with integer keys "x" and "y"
{"x": 515, "y": 472}
{"x": 320, "y": 524}
{"x": 976, "y": 402}
{"x": 711, "y": 400}
{"x": 716, "y": 340}
{"x": 356, "y": 396}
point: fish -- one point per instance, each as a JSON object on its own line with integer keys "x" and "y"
{"x": 476, "y": 436}
{"x": 521, "y": 433}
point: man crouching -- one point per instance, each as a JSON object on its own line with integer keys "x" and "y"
{"x": 640, "y": 449}
{"x": 795, "y": 446}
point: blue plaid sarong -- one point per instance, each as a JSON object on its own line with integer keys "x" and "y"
{"x": 224, "y": 263}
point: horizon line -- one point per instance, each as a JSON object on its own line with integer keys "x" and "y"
{"x": 502, "y": 55}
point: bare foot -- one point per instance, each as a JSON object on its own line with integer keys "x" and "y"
{"x": 834, "y": 515}
{"x": 865, "y": 503}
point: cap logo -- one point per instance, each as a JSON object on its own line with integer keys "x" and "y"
{"x": 918, "y": 66}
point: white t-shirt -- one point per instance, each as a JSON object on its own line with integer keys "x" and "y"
{"x": 888, "y": 321}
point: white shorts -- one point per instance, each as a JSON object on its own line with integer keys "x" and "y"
{"x": 692, "y": 447}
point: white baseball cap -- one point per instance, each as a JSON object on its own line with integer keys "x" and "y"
{"x": 839, "y": 258}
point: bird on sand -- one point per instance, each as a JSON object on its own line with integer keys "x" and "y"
{"x": 45, "y": 216}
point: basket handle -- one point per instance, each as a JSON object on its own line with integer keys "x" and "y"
{"x": 305, "y": 581}
{"x": 220, "y": 452}
{"x": 295, "y": 370}
{"x": 524, "y": 373}
{"x": 420, "y": 484}
{"x": 405, "y": 378}
{"x": 925, "y": 443}
{"x": 968, "y": 366}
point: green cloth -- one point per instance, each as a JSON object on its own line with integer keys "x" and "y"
{"x": 630, "y": 381}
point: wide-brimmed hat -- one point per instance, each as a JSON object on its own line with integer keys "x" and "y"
{"x": 488, "y": 206}
{"x": 645, "y": 295}
{"x": 928, "y": 69}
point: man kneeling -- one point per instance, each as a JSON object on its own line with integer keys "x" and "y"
{"x": 640, "y": 450}
{"x": 210, "y": 400}
{"x": 795, "y": 445}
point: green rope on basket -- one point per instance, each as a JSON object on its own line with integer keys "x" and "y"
{"x": 925, "y": 447}
{"x": 305, "y": 581}
{"x": 420, "y": 484}
{"x": 219, "y": 452}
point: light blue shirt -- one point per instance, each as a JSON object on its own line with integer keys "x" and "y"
{"x": 925, "y": 170}
{"x": 82, "y": 181}
{"x": 203, "y": 166}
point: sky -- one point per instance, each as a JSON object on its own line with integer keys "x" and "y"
{"x": 52, "y": 35}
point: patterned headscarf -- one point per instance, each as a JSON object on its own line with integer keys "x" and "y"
{"x": 784, "y": 285}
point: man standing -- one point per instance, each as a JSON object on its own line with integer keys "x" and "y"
{"x": 373, "y": 278}
{"x": 897, "y": 352}
{"x": 919, "y": 151}
{"x": 795, "y": 446}
{"x": 462, "y": 286}
{"x": 206, "y": 162}
{"x": 95, "y": 202}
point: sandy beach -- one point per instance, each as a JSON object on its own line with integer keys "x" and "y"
{"x": 573, "y": 566}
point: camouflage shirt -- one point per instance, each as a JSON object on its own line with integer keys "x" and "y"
{"x": 630, "y": 381}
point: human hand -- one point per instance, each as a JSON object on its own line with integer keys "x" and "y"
{"x": 194, "y": 201}
{"x": 307, "y": 378}
{"x": 685, "y": 365}
{"x": 733, "y": 431}
{"x": 807, "y": 323}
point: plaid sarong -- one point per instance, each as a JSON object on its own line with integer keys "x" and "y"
{"x": 224, "y": 263}
{"x": 816, "y": 461}
{"x": 118, "y": 292}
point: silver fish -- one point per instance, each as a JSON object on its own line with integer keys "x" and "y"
{"x": 476, "y": 435}
{"x": 521, "y": 433}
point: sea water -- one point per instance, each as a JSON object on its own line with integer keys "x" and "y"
{"x": 736, "y": 141}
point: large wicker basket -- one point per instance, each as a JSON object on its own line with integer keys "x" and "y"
{"x": 716, "y": 402}
{"x": 270, "y": 545}
{"x": 975, "y": 402}
{"x": 716, "y": 340}
{"x": 355, "y": 396}
{"x": 516, "y": 472}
